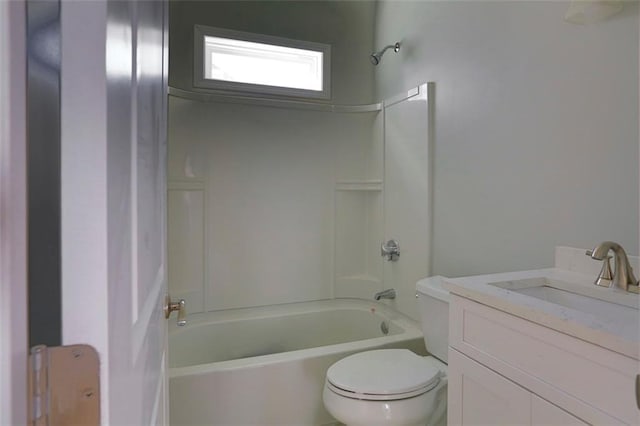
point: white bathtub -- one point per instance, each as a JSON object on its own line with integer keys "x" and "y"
{"x": 266, "y": 366}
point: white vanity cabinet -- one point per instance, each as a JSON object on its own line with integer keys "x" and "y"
{"x": 545, "y": 413}
{"x": 480, "y": 396}
{"x": 506, "y": 370}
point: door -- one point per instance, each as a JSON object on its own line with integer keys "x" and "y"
{"x": 479, "y": 396}
{"x": 545, "y": 413}
{"x": 13, "y": 234}
{"x": 113, "y": 121}
{"x": 407, "y": 191}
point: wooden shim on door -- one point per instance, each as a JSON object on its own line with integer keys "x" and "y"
{"x": 64, "y": 385}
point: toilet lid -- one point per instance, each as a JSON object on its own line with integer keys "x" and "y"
{"x": 384, "y": 374}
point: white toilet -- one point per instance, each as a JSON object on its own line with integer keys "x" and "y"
{"x": 395, "y": 386}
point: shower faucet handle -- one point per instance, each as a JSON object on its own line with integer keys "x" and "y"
{"x": 179, "y": 306}
{"x": 390, "y": 250}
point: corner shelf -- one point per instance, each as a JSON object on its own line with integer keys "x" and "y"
{"x": 359, "y": 185}
{"x": 363, "y": 278}
{"x": 358, "y": 232}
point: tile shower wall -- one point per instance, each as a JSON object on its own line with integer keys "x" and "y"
{"x": 252, "y": 200}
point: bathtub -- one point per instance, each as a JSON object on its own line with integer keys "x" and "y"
{"x": 266, "y": 366}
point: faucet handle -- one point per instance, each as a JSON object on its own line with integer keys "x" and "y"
{"x": 605, "y": 277}
{"x": 390, "y": 250}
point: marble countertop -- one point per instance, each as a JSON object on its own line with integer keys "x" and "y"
{"x": 609, "y": 332}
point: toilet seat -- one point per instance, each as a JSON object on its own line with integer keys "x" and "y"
{"x": 382, "y": 375}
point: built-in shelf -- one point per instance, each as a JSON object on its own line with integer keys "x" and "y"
{"x": 361, "y": 277}
{"x": 359, "y": 185}
{"x": 185, "y": 185}
{"x": 358, "y": 232}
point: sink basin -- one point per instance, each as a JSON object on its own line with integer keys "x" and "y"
{"x": 604, "y": 303}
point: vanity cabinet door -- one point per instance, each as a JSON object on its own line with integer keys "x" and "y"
{"x": 545, "y": 413}
{"x": 479, "y": 396}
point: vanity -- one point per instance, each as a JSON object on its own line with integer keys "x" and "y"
{"x": 543, "y": 347}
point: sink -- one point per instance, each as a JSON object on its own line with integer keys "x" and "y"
{"x": 603, "y": 303}
{"x": 563, "y": 300}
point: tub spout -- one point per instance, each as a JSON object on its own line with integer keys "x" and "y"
{"x": 385, "y": 294}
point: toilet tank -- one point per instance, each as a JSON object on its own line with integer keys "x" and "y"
{"x": 433, "y": 305}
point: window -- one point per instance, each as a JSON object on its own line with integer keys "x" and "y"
{"x": 260, "y": 64}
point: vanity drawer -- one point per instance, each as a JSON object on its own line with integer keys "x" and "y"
{"x": 578, "y": 376}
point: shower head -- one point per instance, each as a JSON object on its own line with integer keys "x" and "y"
{"x": 376, "y": 57}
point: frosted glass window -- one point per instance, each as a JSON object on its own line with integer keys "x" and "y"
{"x": 232, "y": 60}
{"x": 259, "y": 63}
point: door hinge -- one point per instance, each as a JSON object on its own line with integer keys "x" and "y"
{"x": 64, "y": 385}
{"x": 638, "y": 390}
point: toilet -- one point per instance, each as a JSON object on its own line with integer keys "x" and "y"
{"x": 396, "y": 386}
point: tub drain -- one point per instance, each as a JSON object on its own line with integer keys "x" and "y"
{"x": 384, "y": 327}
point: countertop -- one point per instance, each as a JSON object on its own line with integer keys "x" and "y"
{"x": 619, "y": 336}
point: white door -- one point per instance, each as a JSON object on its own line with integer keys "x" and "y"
{"x": 407, "y": 192}
{"x": 13, "y": 207}
{"x": 479, "y": 396}
{"x": 113, "y": 109}
{"x": 545, "y": 413}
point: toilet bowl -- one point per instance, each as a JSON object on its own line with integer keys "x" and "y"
{"x": 387, "y": 387}
{"x": 396, "y": 387}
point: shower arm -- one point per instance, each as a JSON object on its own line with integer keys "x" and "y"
{"x": 396, "y": 48}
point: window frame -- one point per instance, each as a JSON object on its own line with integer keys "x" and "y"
{"x": 199, "y": 80}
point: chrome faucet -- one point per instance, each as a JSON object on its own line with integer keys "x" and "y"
{"x": 623, "y": 277}
{"x": 385, "y": 294}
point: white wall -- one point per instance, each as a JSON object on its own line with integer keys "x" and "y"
{"x": 346, "y": 25}
{"x": 84, "y": 268}
{"x": 13, "y": 214}
{"x": 536, "y": 126}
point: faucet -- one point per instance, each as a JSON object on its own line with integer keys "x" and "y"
{"x": 623, "y": 277}
{"x": 385, "y": 294}
{"x": 390, "y": 250}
